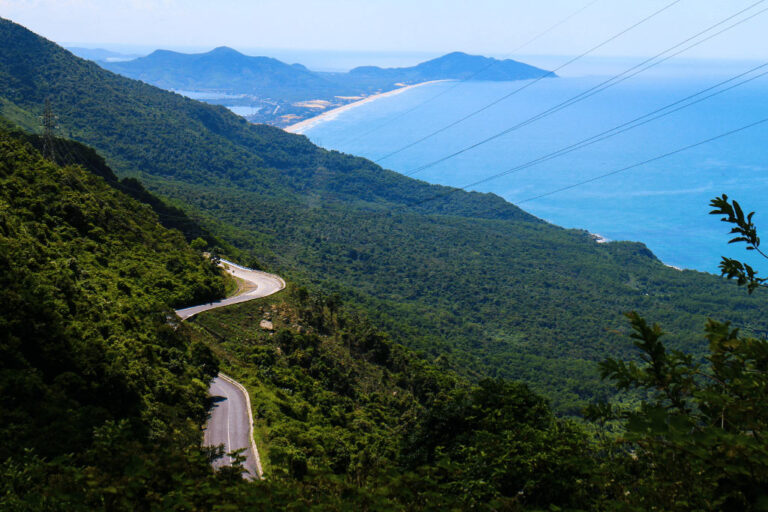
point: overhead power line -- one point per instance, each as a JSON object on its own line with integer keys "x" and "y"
{"x": 631, "y": 125}
{"x": 645, "y": 162}
{"x": 473, "y": 75}
{"x": 532, "y": 82}
{"x": 606, "y": 84}
{"x": 654, "y": 115}
{"x": 553, "y": 27}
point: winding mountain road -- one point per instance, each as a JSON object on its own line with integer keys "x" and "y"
{"x": 257, "y": 284}
{"x": 231, "y": 421}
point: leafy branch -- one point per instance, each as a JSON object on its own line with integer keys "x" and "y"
{"x": 746, "y": 232}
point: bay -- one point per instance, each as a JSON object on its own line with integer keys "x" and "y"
{"x": 663, "y": 204}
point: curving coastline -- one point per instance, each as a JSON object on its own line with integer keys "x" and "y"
{"x": 306, "y": 124}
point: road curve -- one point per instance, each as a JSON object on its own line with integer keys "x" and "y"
{"x": 230, "y": 422}
{"x": 261, "y": 284}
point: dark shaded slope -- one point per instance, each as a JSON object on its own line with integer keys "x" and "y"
{"x": 87, "y": 276}
{"x": 68, "y": 152}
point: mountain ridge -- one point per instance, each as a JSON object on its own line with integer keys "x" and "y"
{"x": 462, "y": 66}
{"x": 221, "y": 69}
{"x": 268, "y": 83}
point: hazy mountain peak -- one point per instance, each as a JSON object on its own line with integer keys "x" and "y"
{"x": 160, "y": 55}
{"x": 225, "y": 51}
{"x": 455, "y": 54}
{"x": 459, "y": 66}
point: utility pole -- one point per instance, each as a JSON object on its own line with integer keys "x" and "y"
{"x": 49, "y": 125}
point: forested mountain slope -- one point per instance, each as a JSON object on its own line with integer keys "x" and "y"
{"x": 104, "y": 392}
{"x": 467, "y": 276}
{"x": 69, "y": 152}
{"x": 87, "y": 280}
{"x": 338, "y": 401}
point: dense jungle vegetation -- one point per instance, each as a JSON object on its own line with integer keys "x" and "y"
{"x": 336, "y": 399}
{"x": 88, "y": 362}
{"x": 390, "y": 378}
{"x": 465, "y": 277}
{"x": 104, "y": 393}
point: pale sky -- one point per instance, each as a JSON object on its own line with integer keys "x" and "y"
{"x": 492, "y": 27}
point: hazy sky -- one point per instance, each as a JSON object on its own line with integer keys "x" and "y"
{"x": 478, "y": 26}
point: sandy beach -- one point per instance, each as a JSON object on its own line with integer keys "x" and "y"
{"x": 306, "y": 124}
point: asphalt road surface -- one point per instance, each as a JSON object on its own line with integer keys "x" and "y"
{"x": 259, "y": 284}
{"x": 230, "y": 419}
{"x": 229, "y": 424}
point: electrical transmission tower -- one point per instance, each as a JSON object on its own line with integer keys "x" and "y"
{"x": 49, "y": 125}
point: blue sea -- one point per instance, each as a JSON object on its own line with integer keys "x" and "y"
{"x": 663, "y": 204}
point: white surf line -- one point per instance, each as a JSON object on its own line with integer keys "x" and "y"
{"x": 305, "y": 124}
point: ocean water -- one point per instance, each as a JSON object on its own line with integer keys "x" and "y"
{"x": 663, "y": 204}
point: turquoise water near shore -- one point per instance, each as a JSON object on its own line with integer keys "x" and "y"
{"x": 663, "y": 204}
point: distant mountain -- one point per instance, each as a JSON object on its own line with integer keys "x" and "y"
{"x": 227, "y": 70}
{"x": 456, "y": 66}
{"x": 283, "y": 91}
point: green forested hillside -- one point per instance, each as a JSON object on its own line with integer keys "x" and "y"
{"x": 466, "y": 277}
{"x": 69, "y": 152}
{"x": 104, "y": 393}
{"x": 331, "y": 393}
{"x": 88, "y": 276}
{"x": 344, "y": 412}
{"x": 91, "y": 374}
{"x": 338, "y": 402}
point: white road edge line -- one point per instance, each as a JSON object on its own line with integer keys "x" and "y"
{"x": 229, "y": 437}
{"x": 274, "y": 276}
{"x": 254, "y": 450}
